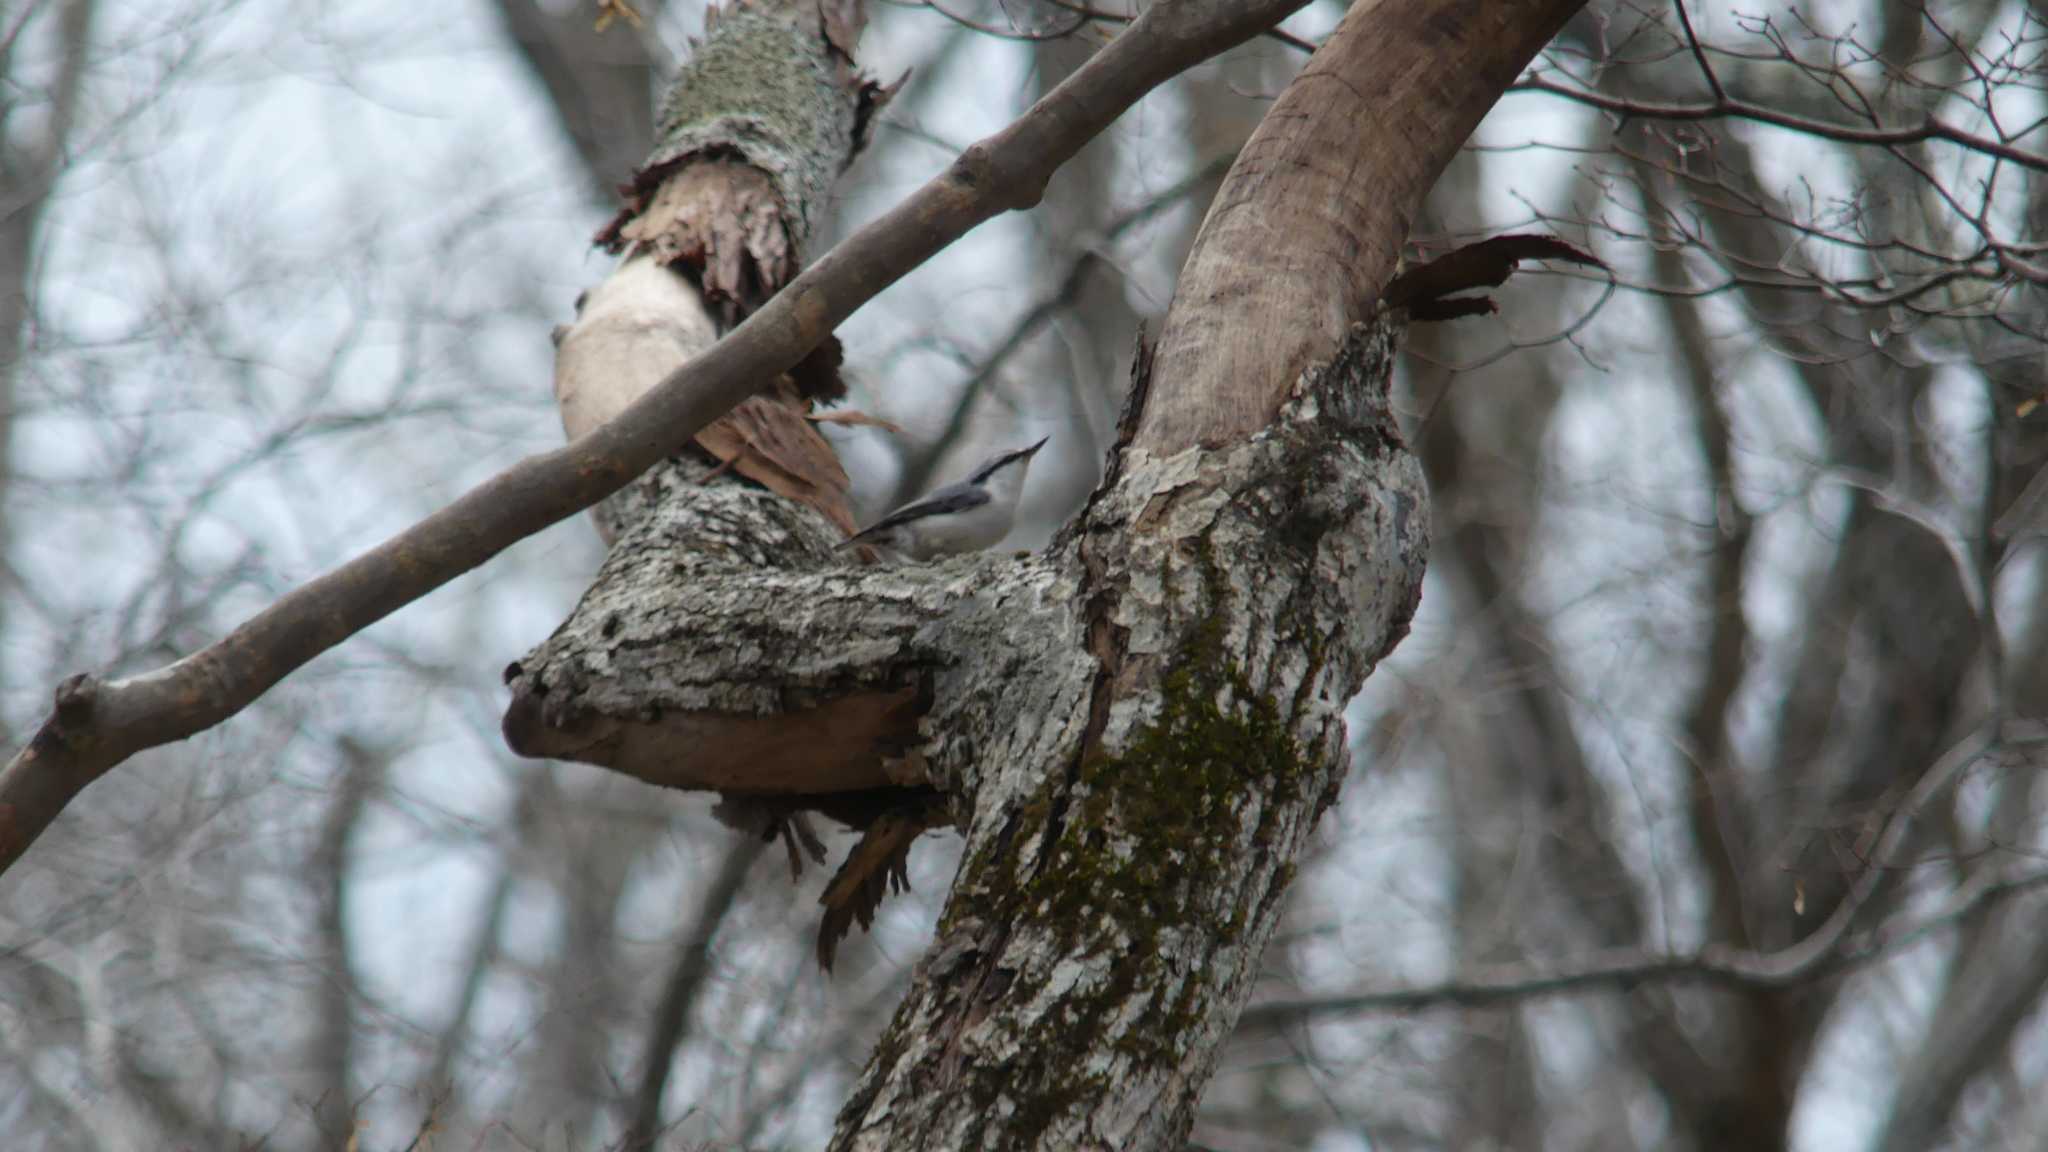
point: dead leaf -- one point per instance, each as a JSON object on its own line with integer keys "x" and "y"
{"x": 853, "y": 417}
{"x": 610, "y": 10}
{"x": 768, "y": 440}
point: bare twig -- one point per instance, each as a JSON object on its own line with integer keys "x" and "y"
{"x": 679, "y": 995}
{"x": 1699, "y": 54}
{"x": 920, "y": 467}
{"x": 1830, "y": 949}
{"x": 1933, "y": 128}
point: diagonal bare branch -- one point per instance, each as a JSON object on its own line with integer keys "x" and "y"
{"x": 97, "y": 724}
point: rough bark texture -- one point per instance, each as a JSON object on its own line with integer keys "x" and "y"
{"x": 1181, "y": 663}
{"x": 767, "y": 113}
{"x": 773, "y": 728}
{"x": 1256, "y": 548}
{"x": 724, "y": 645}
{"x": 769, "y": 85}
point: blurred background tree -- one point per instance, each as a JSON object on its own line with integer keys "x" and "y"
{"x": 1698, "y": 811}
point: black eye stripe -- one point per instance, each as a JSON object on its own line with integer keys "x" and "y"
{"x": 993, "y": 466}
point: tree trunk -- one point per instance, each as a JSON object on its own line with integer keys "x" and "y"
{"x": 1142, "y": 727}
{"x": 753, "y": 133}
{"x": 1256, "y": 548}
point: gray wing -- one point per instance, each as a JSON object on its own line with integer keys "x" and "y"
{"x": 951, "y": 498}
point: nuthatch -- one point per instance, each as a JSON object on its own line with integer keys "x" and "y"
{"x": 963, "y": 517}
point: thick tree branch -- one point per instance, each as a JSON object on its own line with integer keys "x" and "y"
{"x": 98, "y": 724}
{"x": 1254, "y": 551}
{"x": 1331, "y": 180}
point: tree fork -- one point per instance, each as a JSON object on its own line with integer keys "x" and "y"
{"x": 1258, "y": 548}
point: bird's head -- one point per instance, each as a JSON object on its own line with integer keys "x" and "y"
{"x": 1003, "y": 473}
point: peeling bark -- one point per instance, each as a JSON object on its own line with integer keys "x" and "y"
{"x": 768, "y": 112}
{"x": 1182, "y": 656}
{"x": 1256, "y": 548}
{"x": 724, "y": 645}
{"x": 754, "y": 130}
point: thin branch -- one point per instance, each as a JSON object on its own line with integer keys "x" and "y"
{"x": 1087, "y": 14}
{"x": 679, "y": 995}
{"x": 1699, "y": 54}
{"x": 1827, "y": 951}
{"x": 483, "y": 953}
{"x": 919, "y": 469}
{"x": 1933, "y": 128}
{"x": 331, "y": 1050}
{"x": 96, "y": 724}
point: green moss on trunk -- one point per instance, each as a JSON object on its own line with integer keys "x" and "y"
{"x": 1145, "y": 833}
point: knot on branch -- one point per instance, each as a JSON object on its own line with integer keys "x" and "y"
{"x": 75, "y": 698}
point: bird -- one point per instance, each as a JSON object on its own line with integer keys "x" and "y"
{"x": 964, "y": 517}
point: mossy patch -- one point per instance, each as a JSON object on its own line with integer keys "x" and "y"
{"x": 1134, "y": 861}
{"x": 1154, "y": 823}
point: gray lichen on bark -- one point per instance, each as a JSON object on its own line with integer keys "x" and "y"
{"x": 722, "y": 600}
{"x": 725, "y": 644}
{"x": 773, "y": 89}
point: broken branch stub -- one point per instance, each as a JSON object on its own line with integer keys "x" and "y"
{"x": 754, "y": 132}
{"x": 1427, "y": 290}
{"x": 718, "y": 648}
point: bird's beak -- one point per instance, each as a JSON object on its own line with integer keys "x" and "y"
{"x": 1035, "y": 447}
